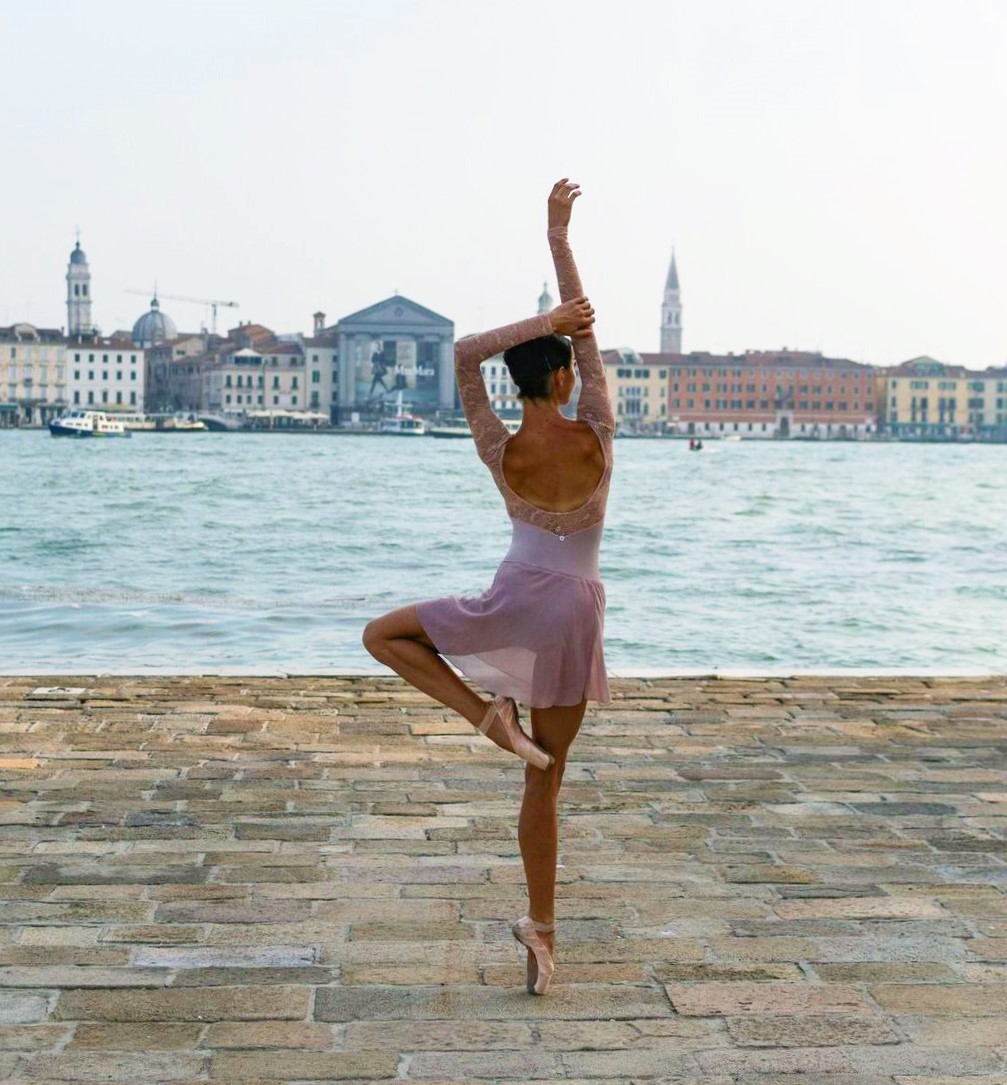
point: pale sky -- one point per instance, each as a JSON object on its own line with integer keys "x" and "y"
{"x": 832, "y": 175}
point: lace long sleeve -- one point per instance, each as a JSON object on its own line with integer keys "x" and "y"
{"x": 594, "y": 402}
{"x": 470, "y": 353}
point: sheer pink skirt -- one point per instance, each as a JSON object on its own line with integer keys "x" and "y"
{"x": 535, "y": 635}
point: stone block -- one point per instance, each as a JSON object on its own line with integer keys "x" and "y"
{"x": 281, "y": 1065}
{"x": 785, "y": 999}
{"x": 193, "y": 1004}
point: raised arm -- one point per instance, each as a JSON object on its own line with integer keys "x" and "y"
{"x": 569, "y": 318}
{"x": 594, "y": 402}
{"x": 470, "y": 353}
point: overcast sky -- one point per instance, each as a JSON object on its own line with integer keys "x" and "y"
{"x": 832, "y": 175}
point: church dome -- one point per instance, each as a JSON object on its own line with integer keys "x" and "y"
{"x": 153, "y": 327}
{"x": 77, "y": 256}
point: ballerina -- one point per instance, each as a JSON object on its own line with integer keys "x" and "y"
{"x": 535, "y": 635}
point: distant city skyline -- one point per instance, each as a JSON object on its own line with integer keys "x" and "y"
{"x": 830, "y": 180}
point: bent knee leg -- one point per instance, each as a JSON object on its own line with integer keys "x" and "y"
{"x": 401, "y": 623}
{"x": 373, "y": 639}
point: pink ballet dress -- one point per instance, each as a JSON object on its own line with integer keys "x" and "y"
{"x": 536, "y": 633}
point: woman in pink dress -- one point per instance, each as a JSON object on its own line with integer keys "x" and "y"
{"x": 535, "y": 636}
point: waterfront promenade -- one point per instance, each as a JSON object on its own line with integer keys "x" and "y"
{"x": 250, "y": 880}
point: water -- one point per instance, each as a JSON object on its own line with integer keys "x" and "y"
{"x": 266, "y": 553}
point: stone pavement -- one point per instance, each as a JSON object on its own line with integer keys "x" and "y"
{"x": 244, "y": 880}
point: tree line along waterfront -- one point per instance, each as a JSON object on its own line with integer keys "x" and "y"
{"x": 389, "y": 368}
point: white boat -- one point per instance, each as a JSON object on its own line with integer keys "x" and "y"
{"x": 732, "y": 437}
{"x": 136, "y": 420}
{"x": 450, "y": 429}
{"x": 178, "y": 423}
{"x": 82, "y": 423}
{"x": 402, "y": 422}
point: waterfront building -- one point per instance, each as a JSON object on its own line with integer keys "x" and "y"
{"x": 758, "y": 394}
{"x": 925, "y": 398}
{"x": 78, "y": 294}
{"x": 638, "y": 389}
{"x": 160, "y": 360}
{"x": 33, "y": 380}
{"x": 671, "y": 312}
{"x": 321, "y": 368}
{"x": 392, "y": 345}
{"x": 106, "y": 373}
{"x": 251, "y": 370}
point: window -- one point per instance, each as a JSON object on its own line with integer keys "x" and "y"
{"x": 76, "y": 396}
{"x": 90, "y": 374}
{"x": 118, "y": 374}
{"x": 76, "y": 374}
{"x": 132, "y": 399}
{"x": 90, "y": 396}
{"x": 316, "y": 377}
{"x": 276, "y": 401}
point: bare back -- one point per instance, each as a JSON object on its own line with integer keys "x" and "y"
{"x": 558, "y": 469}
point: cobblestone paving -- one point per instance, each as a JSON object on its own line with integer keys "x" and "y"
{"x": 244, "y": 880}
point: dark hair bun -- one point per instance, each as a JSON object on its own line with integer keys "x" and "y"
{"x": 531, "y": 362}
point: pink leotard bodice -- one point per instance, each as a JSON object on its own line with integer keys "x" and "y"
{"x": 593, "y": 406}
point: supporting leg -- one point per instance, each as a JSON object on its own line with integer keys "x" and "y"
{"x": 554, "y": 729}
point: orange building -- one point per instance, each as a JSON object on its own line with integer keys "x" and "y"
{"x": 759, "y": 393}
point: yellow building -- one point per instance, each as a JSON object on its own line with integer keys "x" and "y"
{"x": 638, "y": 390}
{"x": 33, "y": 380}
{"x": 926, "y": 398}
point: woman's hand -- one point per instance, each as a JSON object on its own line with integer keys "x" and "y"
{"x": 573, "y": 318}
{"x": 564, "y": 192}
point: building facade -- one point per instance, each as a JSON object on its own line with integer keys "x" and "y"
{"x": 758, "y": 394}
{"x": 321, "y": 368}
{"x": 106, "y": 374}
{"x": 391, "y": 346}
{"x": 160, "y": 360}
{"x": 927, "y": 399}
{"x": 638, "y": 389}
{"x": 33, "y": 381}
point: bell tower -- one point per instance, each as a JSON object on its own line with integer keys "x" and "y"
{"x": 671, "y": 312}
{"x": 78, "y": 293}
{"x": 545, "y": 302}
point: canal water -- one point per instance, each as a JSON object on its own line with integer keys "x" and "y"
{"x": 268, "y": 553}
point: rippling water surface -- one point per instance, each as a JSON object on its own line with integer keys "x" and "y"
{"x": 269, "y": 552}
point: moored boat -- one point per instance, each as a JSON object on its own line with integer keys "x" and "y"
{"x": 449, "y": 429}
{"x": 402, "y": 422}
{"x": 84, "y": 423}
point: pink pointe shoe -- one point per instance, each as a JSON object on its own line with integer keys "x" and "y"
{"x": 501, "y": 718}
{"x": 540, "y": 962}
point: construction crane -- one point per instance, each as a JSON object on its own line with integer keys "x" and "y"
{"x": 213, "y": 303}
